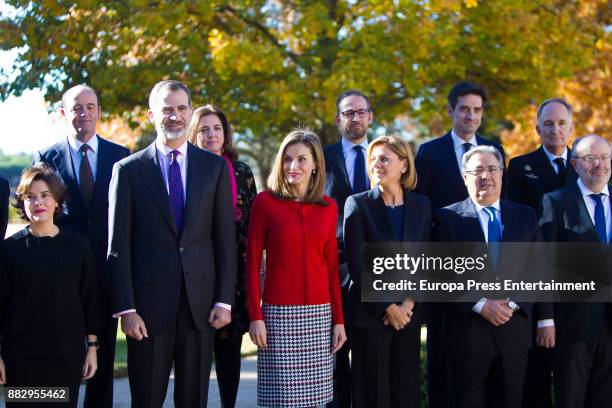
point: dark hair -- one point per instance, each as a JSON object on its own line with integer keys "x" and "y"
{"x": 466, "y": 88}
{"x": 169, "y": 84}
{"x": 227, "y": 148}
{"x": 39, "y": 171}
{"x": 561, "y": 101}
{"x": 351, "y": 92}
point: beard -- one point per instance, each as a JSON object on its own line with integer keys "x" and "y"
{"x": 169, "y": 134}
{"x": 354, "y": 133}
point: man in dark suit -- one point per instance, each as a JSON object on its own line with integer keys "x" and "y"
{"x": 171, "y": 255}
{"x": 84, "y": 160}
{"x": 346, "y": 174}
{"x": 530, "y": 176}
{"x": 438, "y": 164}
{"x": 582, "y": 336}
{"x": 486, "y": 342}
{"x": 4, "y": 203}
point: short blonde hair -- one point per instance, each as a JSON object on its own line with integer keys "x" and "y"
{"x": 277, "y": 182}
{"x": 402, "y": 149}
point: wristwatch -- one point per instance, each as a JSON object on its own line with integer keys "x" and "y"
{"x": 513, "y": 305}
{"x": 93, "y": 344}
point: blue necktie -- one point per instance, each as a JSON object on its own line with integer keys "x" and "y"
{"x": 600, "y": 218}
{"x": 494, "y": 235}
{"x": 175, "y": 187}
{"x": 359, "y": 174}
{"x": 466, "y": 147}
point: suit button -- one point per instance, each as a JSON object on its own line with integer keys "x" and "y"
{"x": 181, "y": 249}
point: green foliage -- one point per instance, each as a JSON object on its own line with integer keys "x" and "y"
{"x": 11, "y": 166}
{"x": 272, "y": 65}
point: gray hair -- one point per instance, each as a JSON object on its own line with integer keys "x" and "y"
{"x": 168, "y": 84}
{"x": 482, "y": 149}
{"x": 575, "y": 145}
{"x": 561, "y": 101}
{"x": 78, "y": 88}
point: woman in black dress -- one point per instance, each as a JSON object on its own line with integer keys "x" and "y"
{"x": 210, "y": 130}
{"x": 48, "y": 305}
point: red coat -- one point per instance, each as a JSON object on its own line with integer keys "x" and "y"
{"x": 301, "y": 254}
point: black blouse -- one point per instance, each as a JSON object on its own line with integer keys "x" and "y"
{"x": 48, "y": 296}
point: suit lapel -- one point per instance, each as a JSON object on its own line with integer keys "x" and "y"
{"x": 580, "y": 211}
{"x": 195, "y": 177}
{"x": 379, "y": 214}
{"x": 544, "y": 169}
{"x": 449, "y": 156}
{"x": 63, "y": 164}
{"x": 412, "y": 231}
{"x": 472, "y": 227}
{"x": 339, "y": 169}
{"x": 152, "y": 178}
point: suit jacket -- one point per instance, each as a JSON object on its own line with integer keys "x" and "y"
{"x": 466, "y": 330}
{"x": 438, "y": 174}
{"x": 4, "y": 203}
{"x": 338, "y": 187}
{"x": 149, "y": 261}
{"x": 366, "y": 220}
{"x": 565, "y": 218}
{"x": 531, "y": 175}
{"x": 91, "y": 223}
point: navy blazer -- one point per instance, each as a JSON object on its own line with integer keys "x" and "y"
{"x": 338, "y": 187}
{"x": 465, "y": 330}
{"x": 531, "y": 175}
{"x": 565, "y": 218}
{"x": 149, "y": 261}
{"x": 438, "y": 174}
{"x": 90, "y": 223}
{"x": 366, "y": 220}
{"x": 4, "y": 203}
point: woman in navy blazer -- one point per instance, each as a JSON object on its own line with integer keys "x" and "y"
{"x": 385, "y": 335}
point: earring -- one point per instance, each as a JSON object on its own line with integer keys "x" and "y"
{"x": 314, "y": 171}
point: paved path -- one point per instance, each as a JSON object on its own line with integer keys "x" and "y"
{"x": 247, "y": 392}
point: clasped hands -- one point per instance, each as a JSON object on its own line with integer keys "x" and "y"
{"x": 398, "y": 316}
{"x": 496, "y": 311}
{"x": 134, "y": 327}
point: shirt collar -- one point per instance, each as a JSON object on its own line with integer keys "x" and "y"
{"x": 480, "y": 207}
{"x": 587, "y": 191}
{"x": 348, "y": 145}
{"x": 457, "y": 141}
{"x": 165, "y": 150}
{"x": 75, "y": 145}
{"x": 552, "y": 157}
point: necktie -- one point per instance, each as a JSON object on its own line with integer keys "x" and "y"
{"x": 600, "y": 218}
{"x": 466, "y": 147}
{"x": 494, "y": 235}
{"x": 359, "y": 174}
{"x": 175, "y": 187}
{"x": 86, "y": 180}
{"x": 561, "y": 171}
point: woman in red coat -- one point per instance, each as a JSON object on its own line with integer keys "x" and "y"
{"x": 300, "y": 324}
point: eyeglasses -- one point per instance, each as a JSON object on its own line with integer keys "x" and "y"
{"x": 479, "y": 171}
{"x": 592, "y": 158}
{"x": 350, "y": 114}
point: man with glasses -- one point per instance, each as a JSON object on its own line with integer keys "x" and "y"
{"x": 530, "y": 176}
{"x": 486, "y": 342}
{"x": 438, "y": 165}
{"x": 345, "y": 175}
{"x": 581, "y": 212}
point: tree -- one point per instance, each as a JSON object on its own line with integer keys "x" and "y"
{"x": 272, "y": 64}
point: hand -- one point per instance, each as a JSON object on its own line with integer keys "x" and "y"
{"x": 91, "y": 363}
{"x": 258, "y": 333}
{"x": 338, "y": 337}
{"x": 2, "y": 372}
{"x": 133, "y": 326}
{"x": 219, "y": 317}
{"x": 545, "y": 336}
{"x": 396, "y": 316}
{"x": 496, "y": 311}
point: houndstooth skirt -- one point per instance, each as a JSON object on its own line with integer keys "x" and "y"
{"x": 296, "y": 369}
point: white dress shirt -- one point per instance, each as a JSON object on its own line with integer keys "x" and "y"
{"x": 77, "y": 156}
{"x": 458, "y": 145}
{"x": 350, "y": 156}
{"x": 551, "y": 157}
